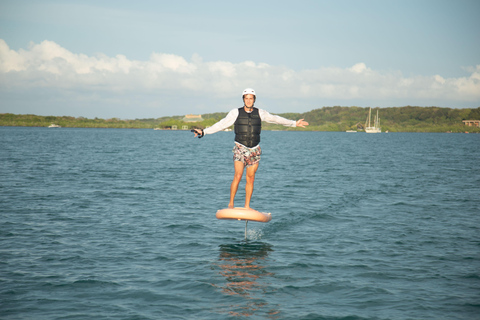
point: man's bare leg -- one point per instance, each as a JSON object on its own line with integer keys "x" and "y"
{"x": 237, "y": 177}
{"x": 249, "y": 185}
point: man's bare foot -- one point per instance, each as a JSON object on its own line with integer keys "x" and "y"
{"x": 230, "y": 206}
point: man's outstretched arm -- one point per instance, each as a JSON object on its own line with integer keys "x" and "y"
{"x": 270, "y": 118}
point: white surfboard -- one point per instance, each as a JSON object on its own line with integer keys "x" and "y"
{"x": 244, "y": 214}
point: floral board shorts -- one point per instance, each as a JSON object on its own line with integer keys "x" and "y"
{"x": 248, "y": 156}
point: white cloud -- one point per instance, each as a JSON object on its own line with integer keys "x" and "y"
{"x": 359, "y": 68}
{"x": 10, "y": 60}
{"x": 161, "y": 62}
{"x": 48, "y": 65}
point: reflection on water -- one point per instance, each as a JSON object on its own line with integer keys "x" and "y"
{"x": 244, "y": 268}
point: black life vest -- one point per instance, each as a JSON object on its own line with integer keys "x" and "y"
{"x": 248, "y": 127}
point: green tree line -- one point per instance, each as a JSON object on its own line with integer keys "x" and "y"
{"x": 394, "y": 119}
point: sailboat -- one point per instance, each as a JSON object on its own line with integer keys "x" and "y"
{"x": 376, "y": 128}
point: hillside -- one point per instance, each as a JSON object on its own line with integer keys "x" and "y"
{"x": 395, "y": 119}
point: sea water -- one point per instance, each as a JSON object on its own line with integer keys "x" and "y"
{"x": 120, "y": 224}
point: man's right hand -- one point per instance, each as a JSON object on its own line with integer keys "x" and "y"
{"x": 198, "y": 132}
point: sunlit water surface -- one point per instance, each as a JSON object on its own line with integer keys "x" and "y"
{"x": 120, "y": 224}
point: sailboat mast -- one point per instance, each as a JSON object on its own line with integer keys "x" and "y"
{"x": 369, "y": 116}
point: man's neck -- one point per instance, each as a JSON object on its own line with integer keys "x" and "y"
{"x": 247, "y": 109}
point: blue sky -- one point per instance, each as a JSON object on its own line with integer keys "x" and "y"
{"x": 148, "y": 59}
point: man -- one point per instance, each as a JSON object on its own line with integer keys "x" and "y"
{"x": 247, "y": 151}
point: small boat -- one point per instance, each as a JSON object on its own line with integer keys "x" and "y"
{"x": 54, "y": 126}
{"x": 376, "y": 128}
{"x": 351, "y": 131}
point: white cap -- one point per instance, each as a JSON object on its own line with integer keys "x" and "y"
{"x": 248, "y": 91}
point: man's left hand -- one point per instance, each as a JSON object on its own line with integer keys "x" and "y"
{"x": 302, "y": 123}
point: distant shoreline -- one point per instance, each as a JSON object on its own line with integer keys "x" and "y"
{"x": 272, "y": 130}
{"x": 395, "y": 119}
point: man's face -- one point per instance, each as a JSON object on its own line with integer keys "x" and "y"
{"x": 249, "y": 99}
